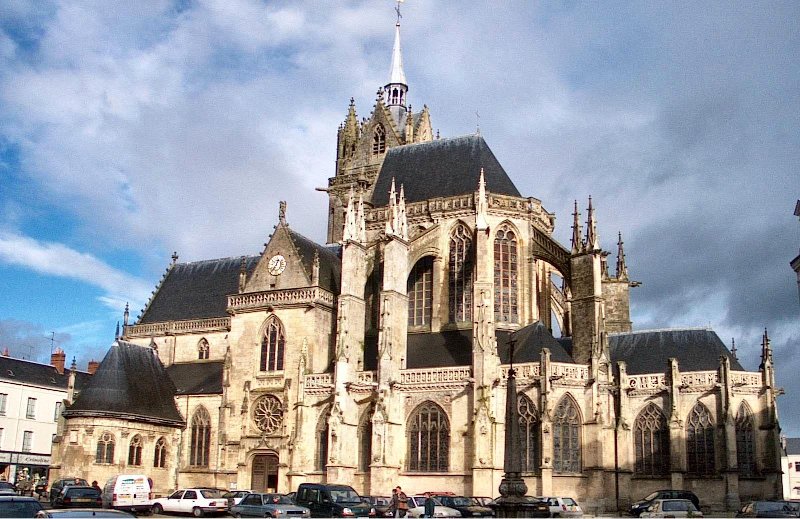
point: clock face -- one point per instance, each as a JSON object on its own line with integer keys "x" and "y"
{"x": 276, "y": 264}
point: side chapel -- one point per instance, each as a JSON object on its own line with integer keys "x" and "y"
{"x": 381, "y": 358}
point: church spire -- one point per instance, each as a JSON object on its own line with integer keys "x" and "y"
{"x": 577, "y": 239}
{"x": 592, "y": 243}
{"x": 622, "y": 268}
{"x": 396, "y": 89}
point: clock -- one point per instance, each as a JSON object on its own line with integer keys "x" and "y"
{"x": 276, "y": 264}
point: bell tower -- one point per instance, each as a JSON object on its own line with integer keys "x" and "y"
{"x": 396, "y": 90}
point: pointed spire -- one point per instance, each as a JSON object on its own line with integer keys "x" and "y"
{"x": 481, "y": 205}
{"x": 622, "y": 268}
{"x": 125, "y": 315}
{"x": 733, "y": 348}
{"x": 396, "y": 89}
{"x": 362, "y": 220}
{"x": 396, "y": 74}
{"x": 766, "y": 349}
{"x": 391, "y": 212}
{"x": 592, "y": 243}
{"x": 116, "y": 333}
{"x": 282, "y": 212}
{"x": 577, "y": 232}
{"x": 402, "y": 220}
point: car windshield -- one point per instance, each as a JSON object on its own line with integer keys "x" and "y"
{"x": 210, "y": 493}
{"x": 345, "y": 495}
{"x": 277, "y": 499}
{"x": 671, "y": 506}
{"x": 772, "y": 506}
{"x": 462, "y": 501}
{"x": 650, "y": 497}
{"x": 83, "y": 492}
{"x": 19, "y": 508}
{"x": 569, "y": 501}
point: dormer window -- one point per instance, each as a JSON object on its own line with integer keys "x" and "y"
{"x": 378, "y": 140}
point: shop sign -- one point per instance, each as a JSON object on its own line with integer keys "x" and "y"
{"x": 5, "y": 457}
{"x": 33, "y": 459}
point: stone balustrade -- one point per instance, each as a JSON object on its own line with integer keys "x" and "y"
{"x": 289, "y": 297}
{"x": 654, "y": 381}
{"x": 178, "y": 327}
{"x": 746, "y": 378}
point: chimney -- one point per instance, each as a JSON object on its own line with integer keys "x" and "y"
{"x": 93, "y": 365}
{"x": 58, "y": 359}
{"x": 6, "y": 353}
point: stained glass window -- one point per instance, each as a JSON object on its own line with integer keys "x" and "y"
{"x": 700, "y": 442}
{"x": 160, "y": 454}
{"x": 135, "y": 451}
{"x": 201, "y": 438}
{"x": 420, "y": 293}
{"x": 745, "y": 441}
{"x": 105, "y": 448}
{"x": 505, "y": 276}
{"x": 202, "y": 349}
{"x": 378, "y": 140}
{"x": 566, "y": 437}
{"x": 651, "y": 441}
{"x": 272, "y": 346}
{"x": 428, "y": 439}
{"x": 529, "y": 433}
{"x": 460, "y": 275}
{"x": 365, "y": 441}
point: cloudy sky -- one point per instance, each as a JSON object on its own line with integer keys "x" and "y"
{"x": 129, "y": 130}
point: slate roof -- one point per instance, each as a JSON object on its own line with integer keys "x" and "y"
{"x": 196, "y": 290}
{"x": 438, "y": 350}
{"x": 21, "y": 371}
{"x": 649, "y": 351}
{"x": 440, "y": 168}
{"x": 531, "y": 339}
{"x": 792, "y": 446}
{"x": 197, "y": 378}
{"x": 330, "y": 264}
{"x": 130, "y": 383}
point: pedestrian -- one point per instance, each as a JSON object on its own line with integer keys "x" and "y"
{"x": 393, "y": 505}
{"x": 430, "y": 505}
{"x": 402, "y": 503}
{"x": 95, "y": 485}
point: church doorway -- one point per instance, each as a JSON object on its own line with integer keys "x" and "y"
{"x": 264, "y": 474}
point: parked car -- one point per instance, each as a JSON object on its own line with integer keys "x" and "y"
{"x": 640, "y": 506}
{"x": 234, "y": 497}
{"x": 563, "y": 507}
{"x": 331, "y": 500}
{"x": 58, "y": 486}
{"x": 195, "y": 501}
{"x": 483, "y": 500}
{"x": 69, "y": 513}
{"x": 8, "y": 485}
{"x": 416, "y": 508}
{"x": 268, "y": 505}
{"x": 672, "y": 508}
{"x": 129, "y": 492}
{"x": 78, "y": 496}
{"x": 467, "y": 506}
{"x": 382, "y": 505}
{"x": 19, "y": 506}
{"x": 769, "y": 509}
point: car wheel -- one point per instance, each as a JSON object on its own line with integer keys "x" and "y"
{"x": 157, "y": 509}
{"x": 197, "y": 512}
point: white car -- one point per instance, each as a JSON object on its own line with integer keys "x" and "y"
{"x": 195, "y": 501}
{"x": 562, "y": 506}
{"x": 416, "y": 508}
{"x": 672, "y": 508}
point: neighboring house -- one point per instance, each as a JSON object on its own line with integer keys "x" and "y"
{"x": 381, "y": 358}
{"x": 790, "y": 464}
{"x": 32, "y": 397}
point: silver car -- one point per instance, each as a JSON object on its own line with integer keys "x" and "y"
{"x": 416, "y": 508}
{"x": 268, "y": 505}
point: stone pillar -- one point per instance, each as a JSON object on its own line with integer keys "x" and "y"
{"x": 585, "y": 304}
{"x": 677, "y": 437}
{"x": 546, "y": 423}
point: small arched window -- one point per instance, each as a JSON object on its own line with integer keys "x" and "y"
{"x": 135, "y": 451}
{"x": 201, "y": 438}
{"x": 272, "y": 345}
{"x": 460, "y": 274}
{"x": 365, "y": 441}
{"x": 428, "y": 439}
{"x": 567, "y": 437}
{"x": 420, "y": 293}
{"x": 378, "y": 140}
{"x": 745, "y": 441}
{"x": 505, "y": 276}
{"x": 651, "y": 441}
{"x": 202, "y": 349}
{"x": 105, "y": 449}
{"x": 321, "y": 457}
{"x": 529, "y": 433}
{"x": 700, "y": 442}
{"x": 160, "y": 454}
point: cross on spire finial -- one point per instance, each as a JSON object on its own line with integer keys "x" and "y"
{"x": 397, "y": 10}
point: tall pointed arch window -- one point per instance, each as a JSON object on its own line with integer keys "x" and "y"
{"x": 567, "y": 437}
{"x": 745, "y": 441}
{"x": 200, "y": 445}
{"x": 365, "y": 441}
{"x": 105, "y": 448}
{"x": 428, "y": 439}
{"x": 700, "y": 442}
{"x": 505, "y": 276}
{"x": 160, "y": 454}
{"x": 529, "y": 433}
{"x": 273, "y": 344}
{"x": 203, "y": 349}
{"x": 321, "y": 454}
{"x": 135, "y": 451}
{"x": 378, "y": 140}
{"x": 651, "y": 442}
{"x": 420, "y": 293}
{"x": 460, "y": 274}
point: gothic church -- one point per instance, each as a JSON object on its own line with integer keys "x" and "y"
{"x": 381, "y": 358}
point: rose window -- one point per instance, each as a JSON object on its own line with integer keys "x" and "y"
{"x": 268, "y": 414}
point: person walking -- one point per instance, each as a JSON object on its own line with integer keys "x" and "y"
{"x": 402, "y": 503}
{"x": 430, "y": 505}
{"x": 393, "y": 505}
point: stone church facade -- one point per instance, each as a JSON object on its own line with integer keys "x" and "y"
{"x": 381, "y": 358}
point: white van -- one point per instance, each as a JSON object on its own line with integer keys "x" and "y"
{"x": 131, "y": 492}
